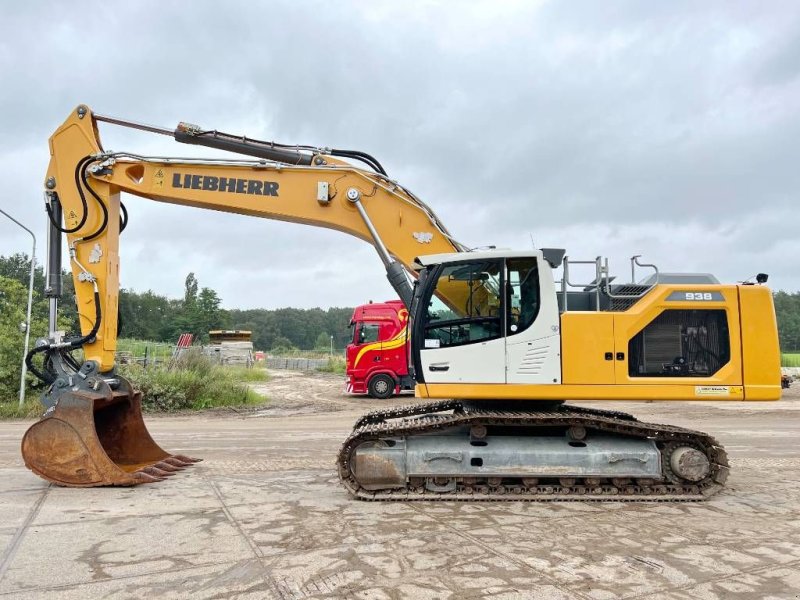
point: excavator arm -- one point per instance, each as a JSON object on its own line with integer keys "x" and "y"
{"x": 93, "y": 432}
{"x": 296, "y": 184}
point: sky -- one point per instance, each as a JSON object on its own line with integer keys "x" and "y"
{"x": 666, "y": 129}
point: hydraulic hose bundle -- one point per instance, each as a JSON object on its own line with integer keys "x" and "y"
{"x": 64, "y": 349}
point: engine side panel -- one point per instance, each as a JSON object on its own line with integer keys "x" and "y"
{"x": 586, "y": 340}
{"x": 673, "y": 322}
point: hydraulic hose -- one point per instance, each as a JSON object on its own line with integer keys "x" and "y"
{"x": 84, "y": 178}
{"x": 47, "y": 377}
{"x": 362, "y": 156}
{"x": 78, "y": 170}
{"x": 95, "y": 328}
{"x": 123, "y": 217}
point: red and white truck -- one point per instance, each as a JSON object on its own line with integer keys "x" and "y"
{"x": 377, "y": 356}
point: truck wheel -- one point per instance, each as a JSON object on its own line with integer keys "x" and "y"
{"x": 381, "y": 386}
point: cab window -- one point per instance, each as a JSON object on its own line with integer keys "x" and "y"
{"x": 366, "y": 333}
{"x": 472, "y": 310}
{"x": 523, "y": 299}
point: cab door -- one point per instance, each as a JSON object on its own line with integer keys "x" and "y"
{"x": 366, "y": 347}
{"x": 393, "y": 340}
{"x": 533, "y": 343}
{"x": 463, "y": 326}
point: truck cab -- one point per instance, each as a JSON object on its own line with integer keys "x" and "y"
{"x": 377, "y": 362}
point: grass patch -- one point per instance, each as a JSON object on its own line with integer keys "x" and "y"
{"x": 336, "y": 364}
{"x": 157, "y": 352}
{"x": 790, "y": 359}
{"x": 256, "y": 374}
{"x": 194, "y": 383}
{"x": 32, "y": 408}
{"x": 137, "y": 347}
{"x": 295, "y": 353}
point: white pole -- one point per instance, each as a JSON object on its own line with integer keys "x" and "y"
{"x": 24, "y": 369}
{"x": 331, "y": 346}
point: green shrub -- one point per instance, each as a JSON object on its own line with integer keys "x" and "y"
{"x": 13, "y": 303}
{"x": 336, "y": 364}
{"x": 193, "y": 382}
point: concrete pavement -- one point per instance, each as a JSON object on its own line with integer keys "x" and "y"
{"x": 264, "y": 517}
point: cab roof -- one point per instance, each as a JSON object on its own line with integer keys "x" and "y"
{"x": 553, "y": 256}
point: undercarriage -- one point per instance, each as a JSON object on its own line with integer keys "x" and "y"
{"x": 452, "y": 450}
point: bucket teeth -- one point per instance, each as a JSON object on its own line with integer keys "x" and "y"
{"x": 176, "y": 462}
{"x": 165, "y": 466}
{"x": 142, "y": 477}
{"x": 187, "y": 459}
{"x": 156, "y": 472}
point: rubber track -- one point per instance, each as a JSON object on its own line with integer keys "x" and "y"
{"x": 425, "y": 418}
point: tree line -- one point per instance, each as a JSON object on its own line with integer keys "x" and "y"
{"x": 151, "y": 316}
{"x": 787, "y": 309}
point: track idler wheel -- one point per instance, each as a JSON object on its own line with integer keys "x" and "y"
{"x": 93, "y": 439}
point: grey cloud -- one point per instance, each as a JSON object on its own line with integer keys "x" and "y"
{"x": 665, "y": 128}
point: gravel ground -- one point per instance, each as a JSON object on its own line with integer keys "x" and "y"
{"x": 264, "y": 517}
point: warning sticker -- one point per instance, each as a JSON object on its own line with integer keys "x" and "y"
{"x": 712, "y": 390}
{"x": 158, "y": 178}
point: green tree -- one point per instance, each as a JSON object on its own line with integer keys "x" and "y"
{"x": 787, "y": 311}
{"x": 13, "y": 306}
{"x": 323, "y": 341}
{"x": 302, "y": 327}
{"x": 17, "y": 267}
{"x": 209, "y": 315}
{"x": 186, "y": 319}
{"x": 145, "y": 316}
{"x": 190, "y": 290}
{"x": 282, "y": 344}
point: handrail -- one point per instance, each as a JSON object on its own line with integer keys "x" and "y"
{"x": 635, "y": 262}
{"x": 602, "y": 280}
{"x": 566, "y": 282}
{"x": 627, "y": 296}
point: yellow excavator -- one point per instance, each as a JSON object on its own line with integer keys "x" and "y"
{"x": 497, "y": 344}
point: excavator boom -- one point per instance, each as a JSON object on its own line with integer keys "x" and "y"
{"x": 93, "y": 432}
{"x": 87, "y": 182}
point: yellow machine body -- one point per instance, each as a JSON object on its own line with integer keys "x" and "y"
{"x": 67, "y": 446}
{"x": 752, "y": 372}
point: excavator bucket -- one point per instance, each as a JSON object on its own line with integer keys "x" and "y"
{"x": 96, "y": 438}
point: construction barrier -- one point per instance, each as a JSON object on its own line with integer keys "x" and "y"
{"x": 295, "y": 364}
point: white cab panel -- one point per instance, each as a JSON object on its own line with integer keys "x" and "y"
{"x": 481, "y": 362}
{"x": 538, "y": 361}
{"x": 534, "y": 355}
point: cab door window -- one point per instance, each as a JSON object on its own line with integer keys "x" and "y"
{"x": 522, "y": 294}
{"x": 473, "y": 309}
{"x": 366, "y": 333}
